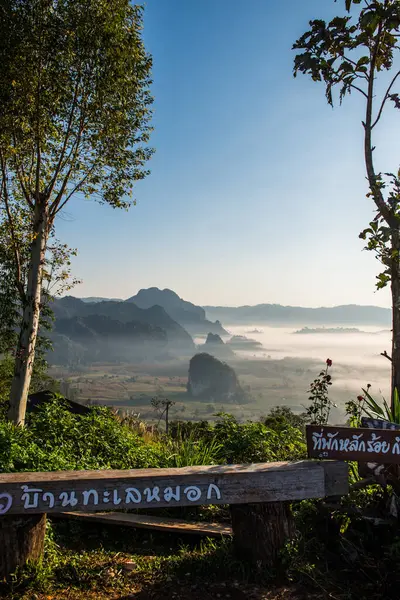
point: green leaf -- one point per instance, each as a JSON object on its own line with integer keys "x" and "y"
{"x": 370, "y": 402}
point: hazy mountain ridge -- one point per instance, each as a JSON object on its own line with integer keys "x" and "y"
{"x": 297, "y": 315}
{"x": 69, "y": 307}
{"x": 111, "y": 330}
{"x": 187, "y": 314}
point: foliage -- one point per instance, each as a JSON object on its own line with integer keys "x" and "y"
{"x": 366, "y": 406}
{"x": 182, "y": 430}
{"x": 319, "y": 410}
{"x": 193, "y": 451}
{"x": 55, "y": 439}
{"x": 280, "y": 416}
{"x": 358, "y": 53}
{"x": 40, "y": 379}
{"x": 84, "y": 128}
{"x": 74, "y": 120}
{"x": 254, "y": 442}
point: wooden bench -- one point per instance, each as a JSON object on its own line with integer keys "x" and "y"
{"x": 258, "y": 495}
{"x": 164, "y": 524}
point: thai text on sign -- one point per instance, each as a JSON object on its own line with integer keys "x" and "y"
{"x": 91, "y": 491}
{"x": 348, "y": 443}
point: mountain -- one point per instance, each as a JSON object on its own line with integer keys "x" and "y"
{"x": 241, "y": 342}
{"x": 276, "y": 314}
{"x": 110, "y": 330}
{"x": 190, "y": 316}
{"x": 212, "y": 380}
{"x": 214, "y": 345}
{"x": 99, "y": 299}
{"x": 124, "y": 312}
{"x": 95, "y": 338}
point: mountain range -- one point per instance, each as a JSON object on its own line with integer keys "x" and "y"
{"x": 157, "y": 325}
{"x": 276, "y": 314}
{"x": 114, "y": 331}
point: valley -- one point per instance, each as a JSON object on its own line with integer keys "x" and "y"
{"x": 116, "y": 353}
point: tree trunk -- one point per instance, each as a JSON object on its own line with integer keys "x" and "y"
{"x": 25, "y": 353}
{"x": 261, "y": 530}
{"x": 395, "y": 288}
{"x": 21, "y": 539}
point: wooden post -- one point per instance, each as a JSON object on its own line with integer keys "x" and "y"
{"x": 260, "y": 531}
{"x": 21, "y": 540}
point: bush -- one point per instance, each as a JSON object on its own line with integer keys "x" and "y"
{"x": 55, "y": 439}
{"x": 255, "y": 442}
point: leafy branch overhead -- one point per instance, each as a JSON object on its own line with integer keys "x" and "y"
{"x": 358, "y": 52}
{"x": 347, "y": 53}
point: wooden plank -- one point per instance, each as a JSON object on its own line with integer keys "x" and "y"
{"x": 165, "y": 524}
{"x": 349, "y": 443}
{"x": 91, "y": 491}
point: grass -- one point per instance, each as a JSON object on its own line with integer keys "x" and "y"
{"x": 82, "y": 561}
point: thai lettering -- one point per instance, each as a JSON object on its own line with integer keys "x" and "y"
{"x": 5, "y": 503}
{"x": 332, "y": 443}
{"x": 169, "y": 494}
{"x": 396, "y": 446}
{"x": 192, "y": 493}
{"x": 28, "y": 501}
{"x": 213, "y": 488}
{"x": 152, "y": 494}
{"x": 86, "y": 495}
{"x": 106, "y": 497}
{"x": 49, "y": 497}
{"x": 373, "y": 445}
{"x": 116, "y": 499}
{"x": 132, "y": 495}
{"x": 317, "y": 439}
{"x": 344, "y": 445}
{"x": 321, "y": 443}
{"x": 68, "y": 499}
{"x": 355, "y": 443}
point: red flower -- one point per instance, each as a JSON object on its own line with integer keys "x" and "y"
{"x": 329, "y": 362}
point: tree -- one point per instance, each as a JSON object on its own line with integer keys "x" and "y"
{"x": 357, "y": 53}
{"x": 162, "y": 406}
{"x": 56, "y": 280}
{"x": 74, "y": 122}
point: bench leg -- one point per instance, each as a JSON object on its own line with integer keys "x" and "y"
{"x": 21, "y": 539}
{"x": 261, "y": 530}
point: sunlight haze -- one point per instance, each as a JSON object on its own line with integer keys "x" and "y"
{"x": 257, "y": 190}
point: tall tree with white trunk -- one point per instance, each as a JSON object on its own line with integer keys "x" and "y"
{"x": 358, "y": 53}
{"x": 75, "y": 109}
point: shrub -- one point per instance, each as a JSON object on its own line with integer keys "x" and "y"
{"x": 55, "y": 439}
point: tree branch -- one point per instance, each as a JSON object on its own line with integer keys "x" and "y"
{"x": 369, "y": 163}
{"x": 18, "y": 274}
{"x": 20, "y": 179}
{"x": 386, "y": 355}
{"x": 67, "y": 135}
{"x": 385, "y": 99}
{"x": 74, "y": 190}
{"x": 359, "y": 90}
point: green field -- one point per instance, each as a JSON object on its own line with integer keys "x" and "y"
{"x": 268, "y": 383}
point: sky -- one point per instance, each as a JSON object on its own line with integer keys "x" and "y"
{"x": 257, "y": 190}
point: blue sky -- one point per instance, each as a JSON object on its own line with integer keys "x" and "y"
{"x": 257, "y": 190}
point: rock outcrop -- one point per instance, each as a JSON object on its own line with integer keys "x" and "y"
{"x": 241, "y": 342}
{"x": 214, "y": 345}
{"x": 213, "y": 381}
